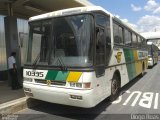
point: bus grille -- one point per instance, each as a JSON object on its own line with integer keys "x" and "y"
{"x": 58, "y": 83}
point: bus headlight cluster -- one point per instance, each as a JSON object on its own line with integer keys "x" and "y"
{"x": 27, "y": 79}
{"x": 72, "y": 84}
{"x": 80, "y": 85}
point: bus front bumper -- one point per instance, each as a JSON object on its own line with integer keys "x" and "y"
{"x": 65, "y": 96}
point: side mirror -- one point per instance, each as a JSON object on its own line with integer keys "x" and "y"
{"x": 100, "y": 70}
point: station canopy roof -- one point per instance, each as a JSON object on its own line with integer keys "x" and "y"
{"x": 28, "y": 8}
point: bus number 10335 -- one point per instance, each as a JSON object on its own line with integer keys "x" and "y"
{"x": 34, "y": 73}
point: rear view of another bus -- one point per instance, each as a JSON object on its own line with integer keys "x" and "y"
{"x": 153, "y": 41}
{"x": 152, "y": 54}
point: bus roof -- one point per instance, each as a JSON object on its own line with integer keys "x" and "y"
{"x": 151, "y": 35}
{"x": 69, "y": 11}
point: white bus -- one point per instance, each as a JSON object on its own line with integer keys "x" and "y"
{"x": 152, "y": 54}
{"x": 153, "y": 41}
{"x": 80, "y": 56}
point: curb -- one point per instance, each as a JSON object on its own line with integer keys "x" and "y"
{"x": 14, "y": 106}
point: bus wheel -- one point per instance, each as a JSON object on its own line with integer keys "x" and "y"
{"x": 115, "y": 87}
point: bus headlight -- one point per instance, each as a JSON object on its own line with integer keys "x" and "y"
{"x": 80, "y": 85}
{"x": 27, "y": 79}
{"x": 72, "y": 84}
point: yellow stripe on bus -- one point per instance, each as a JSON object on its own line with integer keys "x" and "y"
{"x": 138, "y": 63}
{"x": 74, "y": 76}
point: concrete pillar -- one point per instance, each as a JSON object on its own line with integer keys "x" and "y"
{"x": 12, "y": 44}
{"x": 10, "y": 9}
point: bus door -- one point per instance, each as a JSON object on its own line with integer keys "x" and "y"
{"x": 100, "y": 52}
{"x": 103, "y": 49}
{"x": 103, "y": 43}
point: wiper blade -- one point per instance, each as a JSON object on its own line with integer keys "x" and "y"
{"x": 63, "y": 67}
{"x": 35, "y": 61}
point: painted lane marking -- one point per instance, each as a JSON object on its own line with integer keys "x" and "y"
{"x": 120, "y": 97}
{"x": 135, "y": 101}
{"x": 156, "y": 101}
{"x": 143, "y": 99}
{"x": 146, "y": 100}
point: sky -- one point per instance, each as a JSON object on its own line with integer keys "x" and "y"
{"x": 143, "y": 15}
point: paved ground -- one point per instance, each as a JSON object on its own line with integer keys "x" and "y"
{"x": 6, "y": 94}
{"x": 141, "y": 96}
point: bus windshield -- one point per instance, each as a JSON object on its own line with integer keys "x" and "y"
{"x": 61, "y": 41}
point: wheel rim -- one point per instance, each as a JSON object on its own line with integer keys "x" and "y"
{"x": 114, "y": 87}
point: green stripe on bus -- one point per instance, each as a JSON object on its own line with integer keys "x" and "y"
{"x": 57, "y": 75}
{"x": 62, "y": 75}
{"x": 129, "y": 57}
{"x": 51, "y": 75}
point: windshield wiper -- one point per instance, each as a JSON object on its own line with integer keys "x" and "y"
{"x": 62, "y": 65}
{"x": 35, "y": 61}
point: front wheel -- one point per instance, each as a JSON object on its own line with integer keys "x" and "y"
{"x": 115, "y": 87}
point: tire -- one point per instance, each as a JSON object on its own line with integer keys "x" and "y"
{"x": 115, "y": 87}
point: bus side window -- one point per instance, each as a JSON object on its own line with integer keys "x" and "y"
{"x": 118, "y": 34}
{"x": 127, "y": 37}
{"x": 134, "y": 40}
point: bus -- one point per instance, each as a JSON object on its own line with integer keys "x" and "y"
{"x": 80, "y": 56}
{"x": 152, "y": 54}
{"x": 153, "y": 38}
